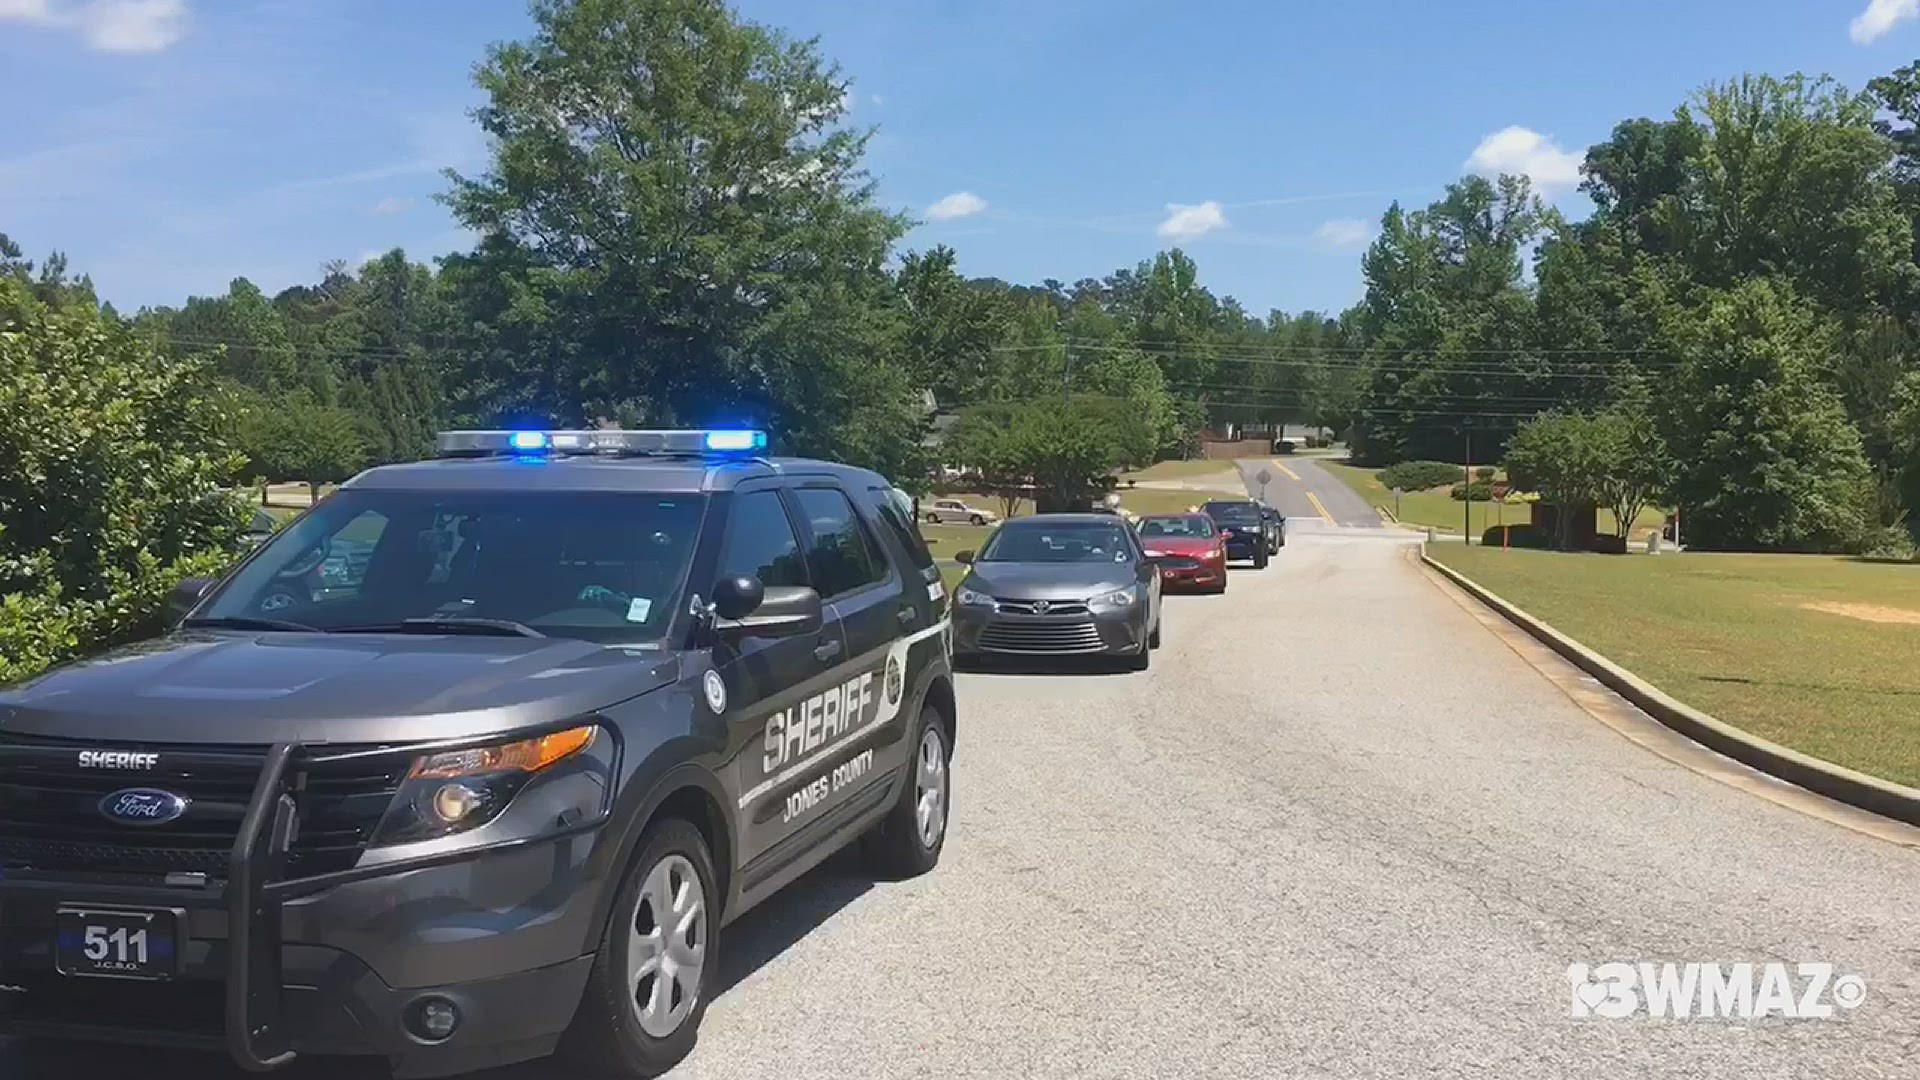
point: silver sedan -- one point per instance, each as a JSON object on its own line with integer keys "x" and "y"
{"x": 1058, "y": 585}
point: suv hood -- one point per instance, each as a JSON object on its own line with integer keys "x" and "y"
{"x": 226, "y": 687}
{"x": 1050, "y": 581}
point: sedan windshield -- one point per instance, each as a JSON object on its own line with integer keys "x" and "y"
{"x": 1193, "y": 525}
{"x": 600, "y": 567}
{"x": 1089, "y": 542}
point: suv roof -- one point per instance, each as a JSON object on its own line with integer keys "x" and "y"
{"x": 566, "y": 473}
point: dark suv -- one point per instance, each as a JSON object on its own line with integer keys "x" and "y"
{"x": 474, "y": 760}
{"x": 1248, "y": 533}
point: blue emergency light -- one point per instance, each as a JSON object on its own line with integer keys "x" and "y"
{"x": 604, "y": 442}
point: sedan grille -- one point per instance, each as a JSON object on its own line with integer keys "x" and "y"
{"x": 1042, "y": 638}
{"x": 1044, "y": 607}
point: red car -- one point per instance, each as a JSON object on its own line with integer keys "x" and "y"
{"x": 1191, "y": 551}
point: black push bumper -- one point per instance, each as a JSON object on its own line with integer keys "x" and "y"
{"x": 334, "y": 1003}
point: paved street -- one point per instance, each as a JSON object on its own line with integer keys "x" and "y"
{"x": 1299, "y": 488}
{"x": 1339, "y": 829}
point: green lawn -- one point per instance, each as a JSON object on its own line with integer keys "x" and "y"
{"x": 1180, "y": 470}
{"x": 1814, "y": 652}
{"x": 1438, "y": 508}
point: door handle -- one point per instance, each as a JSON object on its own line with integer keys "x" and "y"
{"x": 826, "y": 652}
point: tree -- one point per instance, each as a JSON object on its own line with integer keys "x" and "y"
{"x": 298, "y": 438}
{"x": 1766, "y": 458}
{"x": 953, "y": 329}
{"x": 114, "y": 459}
{"x": 1642, "y": 466}
{"x": 1449, "y": 327}
{"x": 1064, "y": 452}
{"x": 675, "y": 230}
{"x": 1569, "y": 458}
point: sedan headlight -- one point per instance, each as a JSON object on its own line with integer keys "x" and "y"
{"x": 973, "y": 598}
{"x": 452, "y": 792}
{"x": 1122, "y": 598}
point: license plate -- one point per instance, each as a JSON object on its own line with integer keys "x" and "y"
{"x": 117, "y": 943}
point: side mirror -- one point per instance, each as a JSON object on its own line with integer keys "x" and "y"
{"x": 964, "y": 558}
{"x": 185, "y": 595}
{"x": 783, "y": 611}
{"x": 736, "y": 597}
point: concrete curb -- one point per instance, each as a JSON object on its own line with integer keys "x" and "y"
{"x": 1871, "y": 793}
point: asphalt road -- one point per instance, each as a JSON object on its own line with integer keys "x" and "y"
{"x": 1303, "y": 491}
{"x": 1338, "y": 830}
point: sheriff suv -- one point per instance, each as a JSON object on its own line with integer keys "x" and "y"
{"x": 493, "y": 785}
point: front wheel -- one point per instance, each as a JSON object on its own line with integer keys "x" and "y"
{"x": 1260, "y": 559}
{"x": 978, "y": 520}
{"x": 907, "y": 842}
{"x": 653, "y": 973}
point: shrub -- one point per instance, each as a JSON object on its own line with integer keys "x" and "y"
{"x": 1520, "y": 536}
{"x": 1482, "y": 491}
{"x": 1891, "y": 543}
{"x": 114, "y": 461}
{"x": 1419, "y": 475}
{"x": 1484, "y": 472}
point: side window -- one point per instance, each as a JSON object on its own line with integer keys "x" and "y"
{"x": 896, "y": 509}
{"x": 843, "y": 558}
{"x": 760, "y": 542}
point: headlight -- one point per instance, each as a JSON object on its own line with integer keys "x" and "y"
{"x": 458, "y": 790}
{"x": 973, "y": 598}
{"x": 1126, "y": 597}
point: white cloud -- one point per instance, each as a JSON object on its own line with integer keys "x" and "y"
{"x": 876, "y": 99}
{"x": 1525, "y": 152}
{"x": 34, "y": 11}
{"x": 1192, "y": 222}
{"x": 1880, "y": 17}
{"x": 133, "y": 25}
{"x": 392, "y": 204}
{"x": 957, "y": 205}
{"x": 123, "y": 26}
{"x": 1345, "y": 234}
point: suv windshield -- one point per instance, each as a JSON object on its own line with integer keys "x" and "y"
{"x": 1058, "y": 543}
{"x": 1185, "y": 525}
{"x": 1234, "y": 513}
{"x": 600, "y": 567}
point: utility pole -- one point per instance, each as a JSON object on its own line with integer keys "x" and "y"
{"x": 1466, "y": 512}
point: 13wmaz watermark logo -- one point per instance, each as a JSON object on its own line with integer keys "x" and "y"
{"x": 1742, "y": 991}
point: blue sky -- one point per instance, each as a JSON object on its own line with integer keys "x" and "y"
{"x": 170, "y": 145}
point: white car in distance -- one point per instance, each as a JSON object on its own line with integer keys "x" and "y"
{"x": 944, "y": 510}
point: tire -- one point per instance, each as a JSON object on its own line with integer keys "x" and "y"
{"x": 1141, "y": 660}
{"x": 1153, "y": 638}
{"x": 609, "y": 1035}
{"x": 1260, "y": 559}
{"x": 933, "y": 519}
{"x": 908, "y": 841}
{"x": 978, "y": 520}
{"x": 1220, "y": 589}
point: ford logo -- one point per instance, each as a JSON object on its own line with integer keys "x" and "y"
{"x": 143, "y": 806}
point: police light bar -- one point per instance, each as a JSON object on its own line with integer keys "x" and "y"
{"x": 612, "y": 442}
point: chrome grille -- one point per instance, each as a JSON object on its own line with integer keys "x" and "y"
{"x": 1041, "y": 637}
{"x": 1044, "y": 607}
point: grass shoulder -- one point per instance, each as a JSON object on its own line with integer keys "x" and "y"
{"x": 1813, "y": 652}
